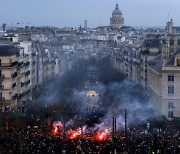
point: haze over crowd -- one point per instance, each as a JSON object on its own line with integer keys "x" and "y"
{"x": 116, "y": 93}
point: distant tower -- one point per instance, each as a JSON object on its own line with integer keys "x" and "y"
{"x": 4, "y": 27}
{"x": 117, "y": 19}
{"x": 85, "y": 24}
{"x": 169, "y": 27}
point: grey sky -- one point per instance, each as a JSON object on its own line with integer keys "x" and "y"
{"x": 73, "y": 12}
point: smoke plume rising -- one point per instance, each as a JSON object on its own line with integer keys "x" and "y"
{"x": 115, "y": 94}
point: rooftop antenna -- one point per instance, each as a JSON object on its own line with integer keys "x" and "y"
{"x": 169, "y": 15}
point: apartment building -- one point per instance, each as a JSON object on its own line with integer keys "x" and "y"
{"x": 127, "y": 61}
{"x": 150, "y": 49}
{"x": 8, "y": 75}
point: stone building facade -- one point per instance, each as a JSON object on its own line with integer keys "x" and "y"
{"x": 164, "y": 78}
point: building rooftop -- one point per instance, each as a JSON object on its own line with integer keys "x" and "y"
{"x": 157, "y": 67}
{"x": 8, "y": 49}
{"x": 172, "y": 59}
{"x": 153, "y": 43}
{"x": 156, "y": 63}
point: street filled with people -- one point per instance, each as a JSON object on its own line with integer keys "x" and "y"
{"x": 82, "y": 119}
{"x": 36, "y": 138}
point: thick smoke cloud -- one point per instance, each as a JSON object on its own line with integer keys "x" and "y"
{"x": 126, "y": 95}
{"x": 116, "y": 93}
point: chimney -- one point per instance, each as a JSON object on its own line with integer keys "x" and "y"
{"x": 166, "y": 51}
{"x": 175, "y": 44}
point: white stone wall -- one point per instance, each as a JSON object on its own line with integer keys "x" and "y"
{"x": 158, "y": 85}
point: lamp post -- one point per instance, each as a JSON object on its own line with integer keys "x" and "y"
{"x": 113, "y": 134}
{"x": 125, "y": 127}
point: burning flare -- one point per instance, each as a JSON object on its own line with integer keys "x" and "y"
{"x": 57, "y": 126}
{"x": 103, "y": 135}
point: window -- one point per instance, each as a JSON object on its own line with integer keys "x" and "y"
{"x": 171, "y": 78}
{"x": 178, "y": 62}
{"x": 170, "y": 114}
{"x": 170, "y": 105}
{"x": 170, "y": 89}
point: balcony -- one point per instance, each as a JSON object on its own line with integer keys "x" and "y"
{"x": 22, "y": 84}
{"x": 7, "y": 65}
{"x": 20, "y": 64}
{"x": 14, "y": 74}
{"x": 25, "y": 83}
{"x": 27, "y": 63}
{"x": 13, "y": 85}
{"x": 15, "y": 96}
{"x": 27, "y": 73}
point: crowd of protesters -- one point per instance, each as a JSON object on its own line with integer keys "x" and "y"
{"x": 38, "y": 140}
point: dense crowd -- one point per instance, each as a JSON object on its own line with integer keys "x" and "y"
{"x": 37, "y": 140}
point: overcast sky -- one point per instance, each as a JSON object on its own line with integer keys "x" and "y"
{"x": 71, "y": 13}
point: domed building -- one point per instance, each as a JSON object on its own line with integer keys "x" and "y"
{"x": 117, "y": 19}
{"x": 92, "y": 97}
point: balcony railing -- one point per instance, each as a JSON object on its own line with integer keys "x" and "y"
{"x": 8, "y": 64}
{"x": 20, "y": 64}
{"x": 25, "y": 83}
{"x": 26, "y": 64}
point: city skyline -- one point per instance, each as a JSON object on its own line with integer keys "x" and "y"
{"x": 110, "y": 86}
{"x": 69, "y": 13}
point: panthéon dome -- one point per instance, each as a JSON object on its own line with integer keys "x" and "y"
{"x": 117, "y": 20}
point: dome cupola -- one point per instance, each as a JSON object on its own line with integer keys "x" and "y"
{"x": 117, "y": 12}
